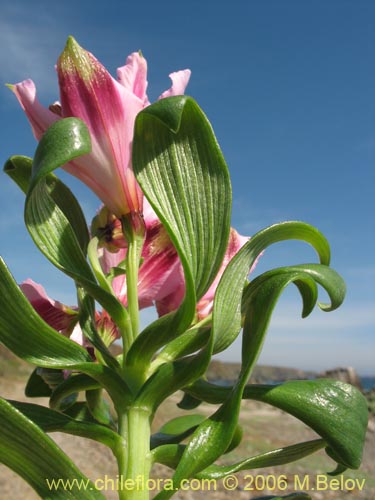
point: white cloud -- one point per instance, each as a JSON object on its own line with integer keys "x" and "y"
{"x": 29, "y": 49}
{"x": 347, "y": 317}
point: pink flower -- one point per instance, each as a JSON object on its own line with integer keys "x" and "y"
{"x": 161, "y": 279}
{"x": 109, "y": 108}
{"x": 159, "y": 260}
{"x": 63, "y": 318}
{"x": 172, "y": 301}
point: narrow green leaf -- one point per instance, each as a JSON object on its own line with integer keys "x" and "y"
{"x": 29, "y": 452}
{"x": 80, "y": 412}
{"x": 170, "y": 377}
{"x": 272, "y": 458}
{"x": 72, "y": 385}
{"x": 36, "y": 387}
{"x": 41, "y": 345}
{"x": 181, "y": 424}
{"x": 189, "y": 402}
{"x": 176, "y": 430}
{"x": 188, "y": 342}
{"x": 227, "y": 314}
{"x": 213, "y": 436}
{"x": 24, "y": 332}
{"x": 53, "y": 421}
{"x": 334, "y": 410}
{"x": 54, "y": 218}
{"x": 99, "y": 407}
{"x": 18, "y": 168}
{"x": 171, "y": 455}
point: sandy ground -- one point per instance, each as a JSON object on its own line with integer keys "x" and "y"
{"x": 265, "y": 428}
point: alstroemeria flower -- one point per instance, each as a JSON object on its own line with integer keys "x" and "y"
{"x": 109, "y": 108}
{"x": 173, "y": 300}
{"x": 61, "y": 317}
{"x": 159, "y": 261}
{"x": 161, "y": 277}
{"x": 64, "y": 319}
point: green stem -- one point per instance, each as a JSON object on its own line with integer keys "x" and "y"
{"x": 121, "y": 452}
{"x": 123, "y": 320}
{"x": 134, "y": 232}
{"x": 139, "y": 455}
{"x": 132, "y": 263}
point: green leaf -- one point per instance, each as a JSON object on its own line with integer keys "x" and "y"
{"x": 227, "y": 314}
{"x": 236, "y": 439}
{"x": 80, "y": 412}
{"x": 53, "y": 421}
{"x": 334, "y": 410}
{"x": 53, "y": 216}
{"x": 189, "y": 402}
{"x": 36, "y": 387}
{"x": 72, "y": 385}
{"x": 303, "y": 276}
{"x": 176, "y": 430}
{"x": 24, "y": 332}
{"x": 99, "y": 407}
{"x": 19, "y": 168}
{"x": 181, "y": 424}
{"x": 272, "y": 458}
{"x": 190, "y": 341}
{"x": 214, "y": 435}
{"x": 181, "y": 170}
{"x": 170, "y": 377}
{"x": 170, "y": 455}
{"x": 29, "y": 452}
{"x": 41, "y": 345}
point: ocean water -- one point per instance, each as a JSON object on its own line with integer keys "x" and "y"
{"x": 368, "y": 383}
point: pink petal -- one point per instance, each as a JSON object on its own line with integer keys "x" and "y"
{"x": 160, "y": 261}
{"x": 173, "y": 292}
{"x": 133, "y": 76}
{"x": 77, "y": 336}
{"x": 180, "y": 80}
{"x": 57, "y": 315}
{"x": 40, "y": 117}
{"x": 89, "y": 92}
{"x": 107, "y": 328}
{"x": 205, "y": 304}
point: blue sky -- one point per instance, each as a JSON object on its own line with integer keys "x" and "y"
{"x": 289, "y": 89}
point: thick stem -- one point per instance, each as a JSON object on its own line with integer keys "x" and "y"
{"x": 139, "y": 456}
